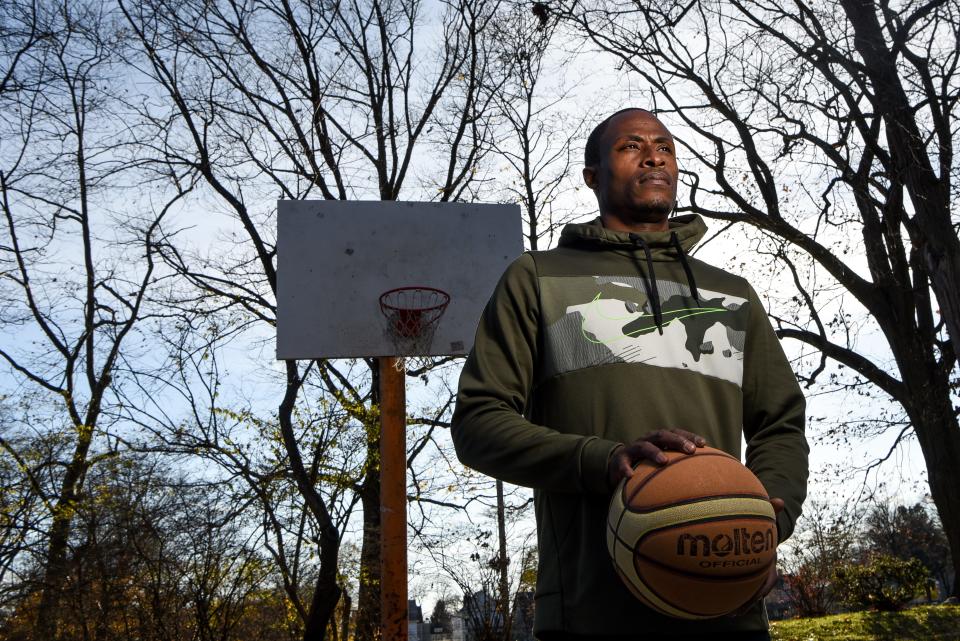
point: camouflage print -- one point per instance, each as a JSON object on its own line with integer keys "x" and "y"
{"x": 595, "y": 320}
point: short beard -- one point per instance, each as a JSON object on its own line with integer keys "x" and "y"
{"x": 661, "y": 207}
{"x": 648, "y": 211}
{"x": 653, "y": 209}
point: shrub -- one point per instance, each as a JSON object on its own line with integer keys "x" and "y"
{"x": 883, "y": 583}
{"x": 908, "y": 533}
{"x": 808, "y": 590}
{"x": 826, "y": 537}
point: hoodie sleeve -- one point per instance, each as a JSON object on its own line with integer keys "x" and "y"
{"x": 490, "y": 432}
{"x": 773, "y": 418}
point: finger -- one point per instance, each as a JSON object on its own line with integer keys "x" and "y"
{"x": 671, "y": 440}
{"x": 619, "y": 467}
{"x": 646, "y": 451}
{"x": 696, "y": 439}
{"x": 778, "y": 505}
{"x": 626, "y": 469}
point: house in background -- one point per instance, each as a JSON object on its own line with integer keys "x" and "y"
{"x": 479, "y": 620}
{"x": 522, "y": 629}
{"x": 417, "y": 629}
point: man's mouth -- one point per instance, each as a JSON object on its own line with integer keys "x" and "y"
{"x": 656, "y": 177}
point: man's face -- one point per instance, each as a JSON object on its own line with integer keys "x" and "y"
{"x": 636, "y": 178}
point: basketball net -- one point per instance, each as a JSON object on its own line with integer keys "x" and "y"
{"x": 412, "y": 315}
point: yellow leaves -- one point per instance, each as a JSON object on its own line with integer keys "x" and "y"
{"x": 339, "y": 479}
{"x": 84, "y": 432}
{"x": 291, "y": 616}
{"x": 64, "y": 511}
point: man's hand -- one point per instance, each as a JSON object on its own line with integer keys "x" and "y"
{"x": 650, "y": 448}
{"x": 773, "y": 575}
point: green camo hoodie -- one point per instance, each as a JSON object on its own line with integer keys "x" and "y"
{"x": 600, "y": 341}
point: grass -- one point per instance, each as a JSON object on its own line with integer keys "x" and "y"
{"x": 923, "y": 623}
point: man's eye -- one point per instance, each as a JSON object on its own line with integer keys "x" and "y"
{"x": 666, "y": 148}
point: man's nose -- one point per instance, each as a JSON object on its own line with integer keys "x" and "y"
{"x": 653, "y": 159}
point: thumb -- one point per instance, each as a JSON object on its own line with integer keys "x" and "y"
{"x": 778, "y": 505}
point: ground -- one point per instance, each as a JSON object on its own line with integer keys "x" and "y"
{"x": 923, "y": 623}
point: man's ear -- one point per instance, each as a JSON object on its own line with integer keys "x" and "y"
{"x": 590, "y": 177}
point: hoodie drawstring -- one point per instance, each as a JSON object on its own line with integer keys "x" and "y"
{"x": 686, "y": 266}
{"x": 650, "y": 280}
{"x": 650, "y": 283}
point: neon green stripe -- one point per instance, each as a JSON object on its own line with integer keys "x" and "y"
{"x": 596, "y": 312}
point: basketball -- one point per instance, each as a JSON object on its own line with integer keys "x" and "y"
{"x": 693, "y": 538}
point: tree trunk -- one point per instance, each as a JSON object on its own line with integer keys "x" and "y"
{"x": 327, "y": 593}
{"x": 938, "y": 433}
{"x": 345, "y": 618}
{"x": 48, "y": 612}
{"x": 928, "y": 402}
{"x": 942, "y": 257}
{"x": 46, "y": 626}
{"x": 931, "y": 225}
{"x": 368, "y": 600}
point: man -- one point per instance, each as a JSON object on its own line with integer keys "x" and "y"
{"x": 608, "y": 350}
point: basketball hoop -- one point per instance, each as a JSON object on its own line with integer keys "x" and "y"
{"x": 412, "y": 315}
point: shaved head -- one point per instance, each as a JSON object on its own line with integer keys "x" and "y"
{"x": 592, "y": 152}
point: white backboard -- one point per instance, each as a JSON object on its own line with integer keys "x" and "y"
{"x": 335, "y": 258}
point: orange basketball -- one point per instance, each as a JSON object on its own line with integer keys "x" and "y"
{"x": 693, "y": 538}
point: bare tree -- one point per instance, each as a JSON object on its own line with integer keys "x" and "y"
{"x": 311, "y": 100}
{"x": 534, "y": 145}
{"x": 76, "y": 264}
{"x": 827, "y": 537}
{"x": 27, "y": 480}
{"x": 469, "y": 556}
{"x": 22, "y": 28}
{"x": 829, "y": 128}
{"x": 194, "y": 416}
{"x": 538, "y": 134}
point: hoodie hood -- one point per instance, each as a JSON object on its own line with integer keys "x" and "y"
{"x": 689, "y": 229}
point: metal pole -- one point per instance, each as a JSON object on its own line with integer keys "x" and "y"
{"x": 393, "y": 501}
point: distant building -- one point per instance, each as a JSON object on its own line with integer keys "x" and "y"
{"x": 459, "y": 632}
{"x": 439, "y": 634}
{"x": 522, "y": 629}
{"x": 478, "y": 617}
{"x": 441, "y": 622}
{"x": 479, "y": 620}
{"x": 417, "y": 630}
